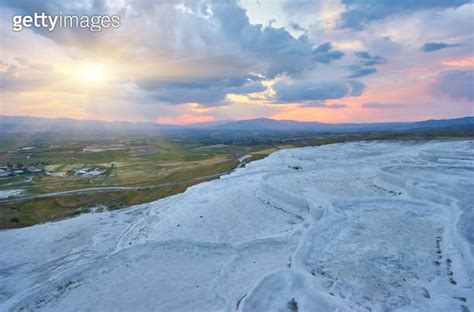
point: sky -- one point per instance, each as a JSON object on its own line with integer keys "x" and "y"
{"x": 181, "y": 62}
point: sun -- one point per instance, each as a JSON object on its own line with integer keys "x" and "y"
{"x": 93, "y": 74}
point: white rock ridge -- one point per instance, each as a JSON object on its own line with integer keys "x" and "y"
{"x": 381, "y": 226}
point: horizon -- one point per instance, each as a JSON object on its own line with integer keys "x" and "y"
{"x": 228, "y": 120}
{"x": 186, "y": 63}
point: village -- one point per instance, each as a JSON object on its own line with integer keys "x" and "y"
{"x": 11, "y": 170}
{"x": 18, "y": 169}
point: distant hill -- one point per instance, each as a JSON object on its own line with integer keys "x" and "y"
{"x": 266, "y": 124}
{"x": 210, "y": 124}
{"x": 14, "y": 124}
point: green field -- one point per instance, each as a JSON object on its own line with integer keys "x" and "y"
{"x": 145, "y": 162}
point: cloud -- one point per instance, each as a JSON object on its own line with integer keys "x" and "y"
{"x": 275, "y": 50}
{"x": 206, "y": 38}
{"x": 247, "y": 48}
{"x": 299, "y": 6}
{"x": 210, "y": 29}
{"x": 171, "y": 53}
{"x": 206, "y": 91}
{"x": 21, "y": 78}
{"x": 367, "y": 59}
{"x": 378, "y": 105}
{"x": 325, "y": 54}
{"x": 324, "y": 105}
{"x": 296, "y": 26}
{"x": 336, "y": 106}
{"x": 435, "y": 46}
{"x": 456, "y": 84}
{"x": 359, "y": 71}
{"x": 366, "y": 63}
{"x": 356, "y": 87}
{"x": 302, "y": 91}
{"x": 360, "y": 12}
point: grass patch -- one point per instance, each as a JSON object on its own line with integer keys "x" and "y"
{"x": 27, "y": 213}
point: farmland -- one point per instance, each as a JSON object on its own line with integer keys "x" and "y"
{"x": 142, "y": 169}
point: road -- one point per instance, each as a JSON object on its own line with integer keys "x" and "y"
{"x": 108, "y": 189}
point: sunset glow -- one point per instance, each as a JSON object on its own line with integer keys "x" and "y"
{"x": 186, "y": 63}
{"x": 93, "y": 74}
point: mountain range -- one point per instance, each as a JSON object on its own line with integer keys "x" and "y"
{"x": 15, "y": 124}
